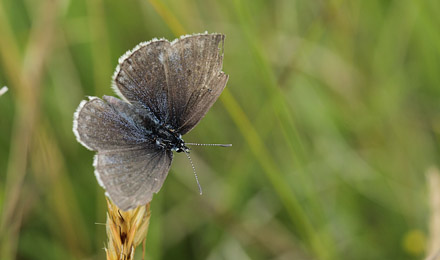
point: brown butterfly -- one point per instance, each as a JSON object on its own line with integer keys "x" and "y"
{"x": 166, "y": 89}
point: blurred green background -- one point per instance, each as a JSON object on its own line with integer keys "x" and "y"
{"x": 332, "y": 108}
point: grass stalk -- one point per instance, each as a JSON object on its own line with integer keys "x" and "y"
{"x": 126, "y": 230}
{"x": 433, "y": 179}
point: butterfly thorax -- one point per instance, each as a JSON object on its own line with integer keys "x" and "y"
{"x": 167, "y": 138}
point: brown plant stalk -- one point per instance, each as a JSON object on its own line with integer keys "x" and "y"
{"x": 433, "y": 178}
{"x": 125, "y": 230}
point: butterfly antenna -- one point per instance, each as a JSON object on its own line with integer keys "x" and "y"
{"x": 221, "y": 145}
{"x": 195, "y": 174}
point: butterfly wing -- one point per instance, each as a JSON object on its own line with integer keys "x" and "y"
{"x": 195, "y": 65}
{"x": 128, "y": 165}
{"x": 132, "y": 176}
{"x": 178, "y": 81}
{"x": 109, "y": 124}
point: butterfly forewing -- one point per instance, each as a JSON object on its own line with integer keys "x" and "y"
{"x": 141, "y": 77}
{"x": 177, "y": 81}
{"x": 100, "y": 126}
{"x": 194, "y": 64}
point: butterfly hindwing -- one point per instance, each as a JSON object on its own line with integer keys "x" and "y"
{"x": 132, "y": 176}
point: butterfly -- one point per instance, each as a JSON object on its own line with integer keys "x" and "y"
{"x": 166, "y": 88}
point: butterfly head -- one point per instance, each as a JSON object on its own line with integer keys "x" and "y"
{"x": 180, "y": 146}
{"x": 182, "y": 149}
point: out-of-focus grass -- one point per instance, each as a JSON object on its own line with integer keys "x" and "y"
{"x": 332, "y": 108}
